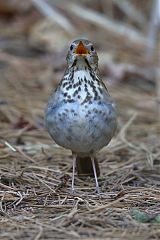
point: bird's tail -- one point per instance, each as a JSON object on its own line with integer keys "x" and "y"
{"x": 84, "y": 166}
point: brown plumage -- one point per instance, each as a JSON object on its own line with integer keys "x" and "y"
{"x": 84, "y": 166}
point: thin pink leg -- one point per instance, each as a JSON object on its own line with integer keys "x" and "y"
{"x": 95, "y": 174}
{"x": 73, "y": 173}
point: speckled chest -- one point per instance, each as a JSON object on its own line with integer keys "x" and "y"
{"x": 81, "y": 86}
{"x": 80, "y": 118}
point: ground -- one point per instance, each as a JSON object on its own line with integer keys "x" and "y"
{"x": 36, "y": 202}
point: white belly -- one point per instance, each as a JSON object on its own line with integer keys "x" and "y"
{"x": 82, "y": 128}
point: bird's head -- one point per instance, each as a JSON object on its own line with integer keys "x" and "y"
{"x": 82, "y": 53}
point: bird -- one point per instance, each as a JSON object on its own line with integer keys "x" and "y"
{"x": 80, "y": 114}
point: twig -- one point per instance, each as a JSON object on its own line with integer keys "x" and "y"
{"x": 131, "y": 11}
{"x": 43, "y": 182}
{"x": 108, "y": 205}
{"x": 10, "y": 146}
{"x": 54, "y": 15}
{"x": 122, "y": 133}
{"x": 158, "y": 89}
{"x": 17, "y": 149}
{"x": 39, "y": 234}
{"x": 125, "y": 127}
{"x": 103, "y": 21}
{"x": 153, "y": 29}
{"x": 8, "y": 187}
{"x": 152, "y": 42}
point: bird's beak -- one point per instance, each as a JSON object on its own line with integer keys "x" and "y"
{"x": 81, "y": 49}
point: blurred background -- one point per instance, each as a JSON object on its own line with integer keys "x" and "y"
{"x": 34, "y": 40}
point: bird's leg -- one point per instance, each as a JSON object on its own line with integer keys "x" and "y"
{"x": 73, "y": 172}
{"x": 95, "y": 174}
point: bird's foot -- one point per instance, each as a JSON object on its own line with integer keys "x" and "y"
{"x": 97, "y": 191}
{"x": 72, "y": 191}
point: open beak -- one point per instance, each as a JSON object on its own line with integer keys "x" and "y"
{"x": 81, "y": 49}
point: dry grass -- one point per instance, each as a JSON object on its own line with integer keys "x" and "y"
{"x": 36, "y": 202}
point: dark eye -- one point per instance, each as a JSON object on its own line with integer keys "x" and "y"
{"x": 71, "y": 47}
{"x": 92, "y": 48}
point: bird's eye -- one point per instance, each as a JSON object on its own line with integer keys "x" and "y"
{"x": 92, "y": 48}
{"x": 71, "y": 47}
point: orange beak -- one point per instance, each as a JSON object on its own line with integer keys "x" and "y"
{"x": 81, "y": 49}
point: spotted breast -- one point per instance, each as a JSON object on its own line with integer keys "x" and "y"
{"x": 81, "y": 115}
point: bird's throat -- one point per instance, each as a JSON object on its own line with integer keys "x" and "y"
{"x": 81, "y": 63}
{"x": 81, "y": 84}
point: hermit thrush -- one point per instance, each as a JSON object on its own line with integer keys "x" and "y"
{"x": 80, "y": 114}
